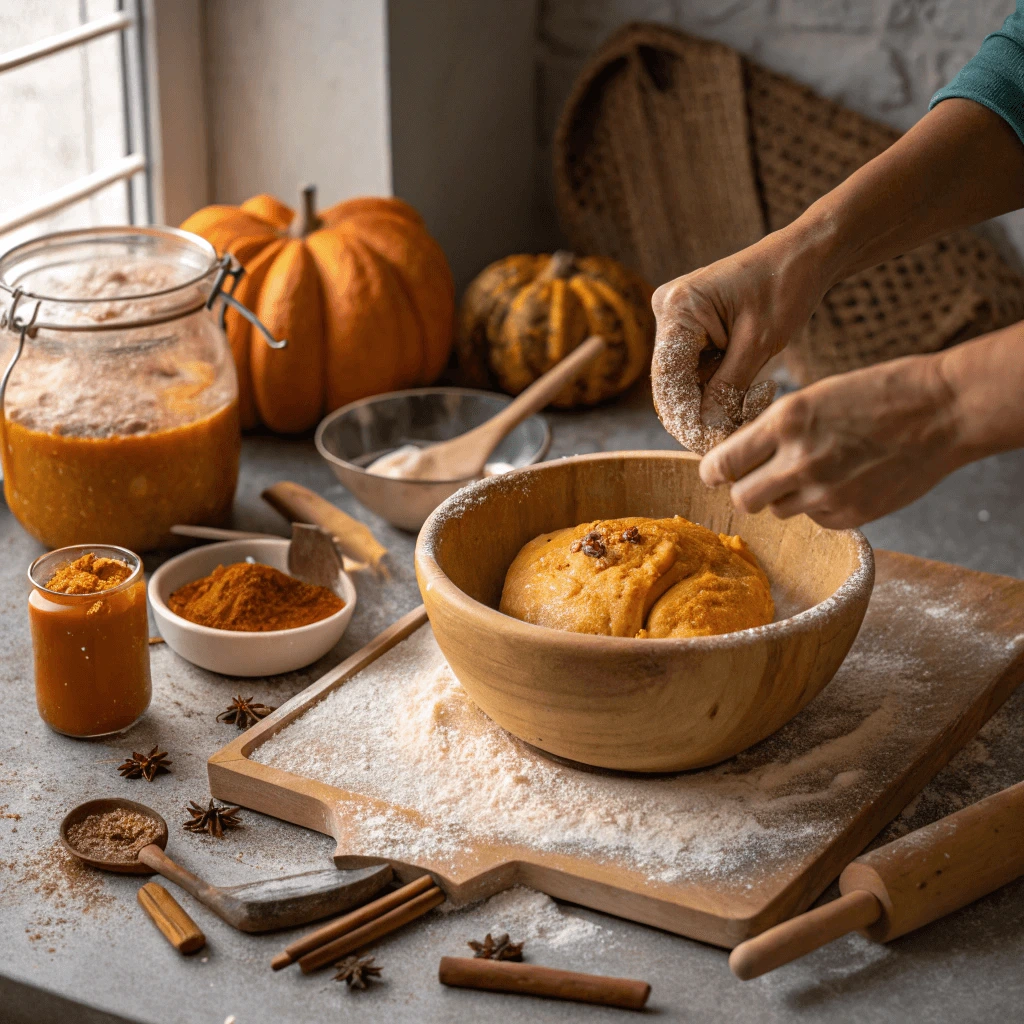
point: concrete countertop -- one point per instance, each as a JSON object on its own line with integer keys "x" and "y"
{"x": 71, "y": 934}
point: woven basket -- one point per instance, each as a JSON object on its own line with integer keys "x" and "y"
{"x": 673, "y": 152}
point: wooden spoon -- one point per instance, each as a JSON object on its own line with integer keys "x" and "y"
{"x": 252, "y": 907}
{"x": 464, "y": 457}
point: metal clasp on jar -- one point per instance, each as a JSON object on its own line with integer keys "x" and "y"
{"x": 227, "y": 267}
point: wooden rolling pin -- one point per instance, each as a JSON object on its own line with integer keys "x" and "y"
{"x": 906, "y": 884}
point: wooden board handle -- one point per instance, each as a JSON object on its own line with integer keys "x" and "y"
{"x": 167, "y": 914}
{"x": 803, "y": 934}
{"x": 299, "y": 504}
{"x": 531, "y": 979}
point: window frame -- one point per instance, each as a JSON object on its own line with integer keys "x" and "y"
{"x": 164, "y": 166}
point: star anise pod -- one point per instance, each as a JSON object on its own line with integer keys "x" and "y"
{"x": 496, "y": 948}
{"x": 243, "y": 713}
{"x": 213, "y": 819}
{"x": 356, "y": 972}
{"x": 146, "y": 766}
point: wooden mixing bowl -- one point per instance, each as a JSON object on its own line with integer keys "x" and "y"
{"x": 618, "y": 702}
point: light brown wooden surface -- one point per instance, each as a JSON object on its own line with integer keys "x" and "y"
{"x": 464, "y": 457}
{"x": 803, "y": 934}
{"x": 167, "y": 914}
{"x": 619, "y": 702}
{"x": 721, "y": 912}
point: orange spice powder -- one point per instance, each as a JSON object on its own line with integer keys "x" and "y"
{"x": 88, "y": 574}
{"x": 252, "y": 598}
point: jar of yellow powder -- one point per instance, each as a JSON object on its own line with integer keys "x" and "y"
{"x": 90, "y": 639}
{"x": 119, "y": 407}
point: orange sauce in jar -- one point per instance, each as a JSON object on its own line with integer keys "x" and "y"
{"x": 90, "y": 639}
{"x": 125, "y": 489}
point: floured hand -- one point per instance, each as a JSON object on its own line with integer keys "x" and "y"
{"x": 719, "y": 325}
{"x": 697, "y": 408}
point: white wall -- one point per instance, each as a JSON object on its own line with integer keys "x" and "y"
{"x": 463, "y": 142}
{"x": 453, "y": 103}
{"x": 297, "y": 92}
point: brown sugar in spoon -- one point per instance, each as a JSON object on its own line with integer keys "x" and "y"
{"x": 251, "y": 907}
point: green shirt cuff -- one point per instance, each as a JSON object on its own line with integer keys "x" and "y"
{"x": 995, "y": 79}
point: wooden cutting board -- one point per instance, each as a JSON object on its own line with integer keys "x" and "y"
{"x": 940, "y": 649}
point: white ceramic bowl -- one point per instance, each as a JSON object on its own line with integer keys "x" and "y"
{"x": 233, "y": 653}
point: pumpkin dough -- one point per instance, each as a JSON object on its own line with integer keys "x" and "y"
{"x": 638, "y": 577}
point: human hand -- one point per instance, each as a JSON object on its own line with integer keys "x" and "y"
{"x": 719, "y": 325}
{"x": 846, "y": 450}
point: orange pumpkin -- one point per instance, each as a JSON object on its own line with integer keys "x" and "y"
{"x": 361, "y": 291}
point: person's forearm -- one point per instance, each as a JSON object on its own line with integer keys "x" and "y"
{"x": 985, "y": 379}
{"x": 959, "y": 165}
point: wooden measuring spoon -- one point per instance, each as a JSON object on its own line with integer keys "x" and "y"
{"x": 464, "y": 457}
{"x": 253, "y": 906}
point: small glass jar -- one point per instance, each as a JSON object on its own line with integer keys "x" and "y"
{"x": 119, "y": 408}
{"x": 91, "y": 651}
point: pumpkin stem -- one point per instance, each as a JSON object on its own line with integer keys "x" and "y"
{"x": 561, "y": 265}
{"x": 306, "y": 220}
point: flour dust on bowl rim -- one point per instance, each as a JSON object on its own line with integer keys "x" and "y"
{"x": 619, "y": 702}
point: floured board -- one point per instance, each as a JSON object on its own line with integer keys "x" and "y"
{"x": 398, "y": 764}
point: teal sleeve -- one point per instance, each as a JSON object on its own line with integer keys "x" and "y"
{"x": 995, "y": 77}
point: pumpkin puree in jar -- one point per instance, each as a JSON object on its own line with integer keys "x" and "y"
{"x": 91, "y": 648}
{"x": 120, "y": 468}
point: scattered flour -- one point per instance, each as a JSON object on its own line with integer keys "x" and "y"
{"x": 527, "y": 916}
{"x": 404, "y": 734}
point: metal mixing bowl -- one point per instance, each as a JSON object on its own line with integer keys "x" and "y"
{"x": 352, "y": 437}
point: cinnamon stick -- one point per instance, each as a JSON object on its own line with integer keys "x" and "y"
{"x": 168, "y": 915}
{"x": 531, "y": 979}
{"x": 350, "y": 921}
{"x": 375, "y": 929}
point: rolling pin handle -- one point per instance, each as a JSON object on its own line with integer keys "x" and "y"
{"x": 803, "y": 934}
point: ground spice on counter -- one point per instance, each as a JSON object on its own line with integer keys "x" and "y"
{"x": 252, "y": 598}
{"x": 89, "y": 574}
{"x": 115, "y": 835}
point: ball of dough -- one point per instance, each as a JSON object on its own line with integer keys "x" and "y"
{"x": 638, "y": 577}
